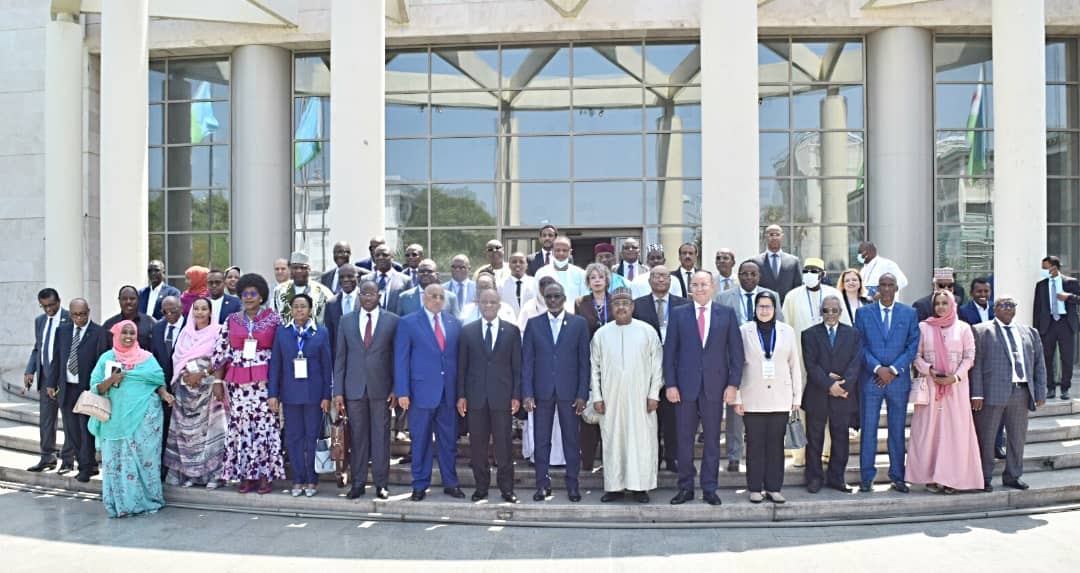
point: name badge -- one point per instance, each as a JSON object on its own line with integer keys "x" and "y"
{"x": 192, "y": 367}
{"x": 250, "y": 346}
{"x": 768, "y": 369}
{"x": 299, "y": 368}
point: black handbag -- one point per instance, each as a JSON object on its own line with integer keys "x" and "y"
{"x": 795, "y": 437}
{"x": 327, "y": 426}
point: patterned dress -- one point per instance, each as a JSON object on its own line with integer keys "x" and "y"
{"x": 253, "y": 443}
{"x": 195, "y": 447}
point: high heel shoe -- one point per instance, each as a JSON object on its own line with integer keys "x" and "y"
{"x": 264, "y": 487}
{"x": 245, "y": 486}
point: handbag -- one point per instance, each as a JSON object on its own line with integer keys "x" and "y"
{"x": 339, "y": 439}
{"x": 323, "y": 462}
{"x": 327, "y": 426}
{"x": 795, "y": 437}
{"x": 93, "y": 405}
{"x": 920, "y": 392}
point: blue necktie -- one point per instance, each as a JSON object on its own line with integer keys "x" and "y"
{"x": 555, "y": 329}
{"x": 348, "y": 304}
{"x": 888, "y": 321}
{"x": 749, "y": 307}
{"x": 832, "y": 336}
{"x": 1053, "y": 301}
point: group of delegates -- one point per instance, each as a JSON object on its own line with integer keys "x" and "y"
{"x": 622, "y": 353}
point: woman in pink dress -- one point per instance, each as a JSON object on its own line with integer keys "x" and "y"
{"x": 944, "y": 451}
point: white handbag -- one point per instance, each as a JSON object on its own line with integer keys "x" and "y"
{"x": 324, "y": 463}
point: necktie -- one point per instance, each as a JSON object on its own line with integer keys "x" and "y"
{"x": 1053, "y": 301}
{"x": 660, "y": 312}
{"x": 630, "y": 272}
{"x": 727, "y": 284}
{"x": 775, "y": 265}
{"x": 73, "y": 357}
{"x": 749, "y": 307}
{"x": 439, "y": 336}
{"x": 888, "y": 321}
{"x": 487, "y": 338}
{"x": 367, "y": 332}
{"x": 832, "y": 336}
{"x": 547, "y": 257}
{"x": 701, "y": 323}
{"x": 169, "y": 339}
{"x": 517, "y": 292}
{"x": 348, "y": 304}
{"x": 45, "y": 349}
{"x": 1018, "y": 368}
{"x": 382, "y": 290}
{"x": 382, "y": 282}
{"x": 555, "y": 328}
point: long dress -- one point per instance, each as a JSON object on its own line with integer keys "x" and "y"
{"x": 944, "y": 448}
{"x": 130, "y": 442}
{"x": 195, "y": 448}
{"x": 627, "y": 370}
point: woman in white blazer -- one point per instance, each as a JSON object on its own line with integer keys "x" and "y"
{"x": 770, "y": 391}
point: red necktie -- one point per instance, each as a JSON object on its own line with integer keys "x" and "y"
{"x": 439, "y": 335}
{"x": 701, "y": 323}
{"x": 367, "y": 332}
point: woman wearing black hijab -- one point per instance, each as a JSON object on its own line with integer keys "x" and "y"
{"x": 771, "y": 390}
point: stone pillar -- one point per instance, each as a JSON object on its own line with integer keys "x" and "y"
{"x": 900, "y": 90}
{"x": 262, "y": 162}
{"x": 124, "y": 101}
{"x": 357, "y": 59}
{"x": 64, "y": 209}
{"x": 834, "y": 245}
{"x": 1019, "y": 195}
{"x": 729, "y": 130}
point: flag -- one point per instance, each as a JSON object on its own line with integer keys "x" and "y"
{"x": 310, "y": 128}
{"x": 203, "y": 122}
{"x": 976, "y": 139}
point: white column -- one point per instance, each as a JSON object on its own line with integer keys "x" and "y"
{"x": 124, "y": 100}
{"x": 729, "y": 131}
{"x": 262, "y": 163}
{"x": 64, "y": 209}
{"x": 357, "y": 61}
{"x": 1019, "y": 195}
{"x": 834, "y": 243}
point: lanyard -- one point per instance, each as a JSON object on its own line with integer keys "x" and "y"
{"x": 772, "y": 342}
{"x": 250, "y": 324}
{"x": 601, "y": 312}
{"x": 810, "y": 301}
{"x": 301, "y": 337}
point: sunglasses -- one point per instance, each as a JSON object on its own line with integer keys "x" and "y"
{"x": 1005, "y": 305}
{"x": 249, "y": 294}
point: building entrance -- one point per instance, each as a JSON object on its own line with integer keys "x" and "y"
{"x": 584, "y": 240}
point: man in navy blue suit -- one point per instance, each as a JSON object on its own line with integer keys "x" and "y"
{"x": 221, "y": 304}
{"x": 703, "y": 363}
{"x": 425, "y": 381}
{"x": 890, "y": 333}
{"x": 555, "y": 372}
{"x": 157, "y": 290}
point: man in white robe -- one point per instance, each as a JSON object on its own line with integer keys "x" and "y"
{"x": 627, "y": 375}
{"x": 571, "y": 277}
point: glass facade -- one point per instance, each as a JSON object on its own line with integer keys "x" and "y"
{"x": 811, "y": 113}
{"x": 1062, "y": 149}
{"x": 188, "y": 164}
{"x": 311, "y": 157}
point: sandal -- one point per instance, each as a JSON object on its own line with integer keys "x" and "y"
{"x": 948, "y": 490}
{"x": 933, "y": 488}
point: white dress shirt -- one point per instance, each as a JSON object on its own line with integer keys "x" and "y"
{"x": 348, "y": 301}
{"x": 508, "y": 291}
{"x": 556, "y": 320}
{"x": 663, "y": 320}
{"x": 152, "y": 296}
{"x": 215, "y": 310}
{"x": 1014, "y": 357}
{"x": 363, "y": 318}
{"x": 708, "y": 319}
{"x": 871, "y": 272}
{"x": 50, "y": 331}
{"x": 81, "y": 331}
{"x": 984, "y": 313}
{"x": 494, "y": 330}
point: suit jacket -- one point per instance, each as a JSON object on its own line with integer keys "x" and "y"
{"x": 468, "y": 291}
{"x": 703, "y": 371}
{"x": 327, "y": 279}
{"x": 790, "y": 273}
{"x": 991, "y": 377}
{"x": 489, "y": 377}
{"x": 162, "y": 353}
{"x": 556, "y": 370}
{"x": 332, "y": 320}
{"x": 645, "y": 309}
{"x": 366, "y": 263}
{"x": 229, "y": 305}
{"x": 144, "y": 299}
{"x": 320, "y": 369}
{"x": 33, "y": 366}
{"x": 396, "y": 283}
{"x": 969, "y": 312}
{"x": 1042, "y": 317}
{"x": 508, "y": 291}
{"x": 88, "y": 356}
{"x": 844, "y": 358}
{"x": 144, "y": 324}
{"x": 782, "y": 392}
{"x": 410, "y": 301}
{"x": 422, "y": 372}
{"x": 677, "y": 276}
{"x": 735, "y": 298}
{"x": 898, "y": 349}
{"x": 365, "y": 372}
{"x": 535, "y": 261}
{"x": 622, "y": 268}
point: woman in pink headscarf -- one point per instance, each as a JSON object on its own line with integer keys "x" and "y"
{"x": 196, "y": 279}
{"x": 944, "y": 451}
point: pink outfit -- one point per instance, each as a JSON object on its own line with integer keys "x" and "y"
{"x": 944, "y": 448}
{"x": 230, "y": 346}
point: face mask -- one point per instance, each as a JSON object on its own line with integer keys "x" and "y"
{"x": 811, "y": 280}
{"x": 1044, "y": 273}
{"x": 860, "y": 258}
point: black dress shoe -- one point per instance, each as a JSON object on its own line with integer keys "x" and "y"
{"x": 813, "y": 487}
{"x": 65, "y": 468}
{"x": 671, "y": 466}
{"x": 866, "y": 487}
{"x": 382, "y": 493}
{"x": 479, "y": 495}
{"x": 711, "y": 498}
{"x": 641, "y": 496}
{"x": 999, "y": 453}
{"x": 733, "y": 466}
{"x": 404, "y": 460}
{"x": 1065, "y": 395}
{"x": 417, "y": 495}
{"x": 82, "y": 477}
{"x": 1017, "y": 484}
{"x": 542, "y": 494}
{"x": 1050, "y": 393}
{"x": 454, "y": 492}
{"x": 840, "y": 487}
{"x": 682, "y": 497}
{"x": 573, "y": 495}
{"x": 900, "y": 486}
{"x": 610, "y": 496}
{"x": 987, "y": 488}
{"x": 42, "y": 466}
{"x": 510, "y": 497}
{"x": 356, "y": 492}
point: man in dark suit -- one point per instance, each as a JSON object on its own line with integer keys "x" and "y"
{"x": 346, "y": 301}
{"x": 414, "y": 253}
{"x": 543, "y": 256}
{"x": 221, "y": 303}
{"x": 410, "y": 300}
{"x": 1007, "y": 381}
{"x": 944, "y": 279}
{"x": 342, "y": 255}
{"x": 978, "y": 310}
{"x": 489, "y": 391}
{"x": 630, "y": 266}
{"x": 780, "y": 271}
{"x": 41, "y": 363}
{"x": 363, "y": 385}
{"x": 890, "y": 336}
{"x": 128, "y": 298}
{"x": 368, "y": 263}
{"x": 655, "y": 309}
{"x": 555, "y": 373}
{"x": 162, "y": 340}
{"x": 74, "y": 362}
{"x": 390, "y": 280}
{"x": 425, "y": 382}
{"x": 703, "y": 363}
{"x": 157, "y": 290}
{"x": 832, "y": 353}
{"x": 1055, "y": 310}
{"x": 688, "y": 255}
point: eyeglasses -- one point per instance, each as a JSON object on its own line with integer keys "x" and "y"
{"x": 830, "y": 311}
{"x": 249, "y": 294}
{"x": 1005, "y": 305}
{"x": 493, "y": 249}
{"x": 412, "y": 255}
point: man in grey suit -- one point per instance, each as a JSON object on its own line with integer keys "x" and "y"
{"x": 41, "y": 364}
{"x": 364, "y": 387}
{"x": 411, "y": 300}
{"x": 736, "y": 298}
{"x": 1008, "y": 381}
{"x": 780, "y": 271}
{"x": 391, "y": 281}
